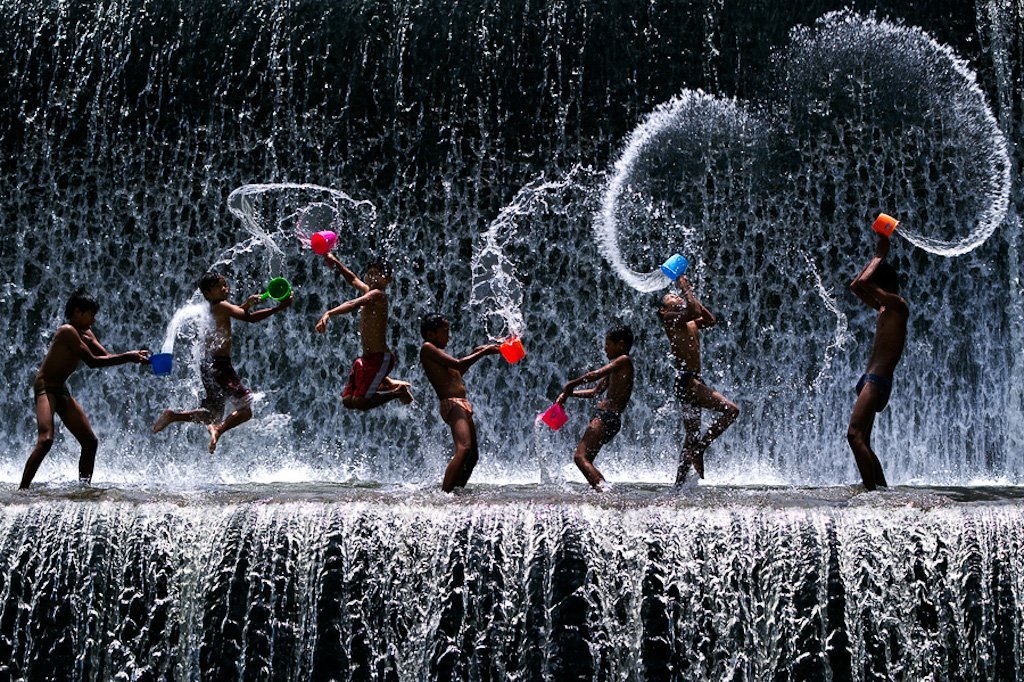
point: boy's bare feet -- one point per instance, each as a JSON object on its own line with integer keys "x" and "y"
{"x": 214, "y": 435}
{"x": 405, "y": 393}
{"x": 162, "y": 421}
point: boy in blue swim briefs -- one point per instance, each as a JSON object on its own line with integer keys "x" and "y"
{"x": 617, "y": 379}
{"x": 877, "y": 285}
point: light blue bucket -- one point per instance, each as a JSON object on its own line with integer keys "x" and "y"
{"x": 674, "y": 267}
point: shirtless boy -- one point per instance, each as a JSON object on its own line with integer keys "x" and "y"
{"x": 617, "y": 379}
{"x": 877, "y": 285}
{"x": 73, "y": 343}
{"x": 683, "y": 316}
{"x": 219, "y": 377}
{"x": 369, "y": 385}
{"x": 445, "y": 375}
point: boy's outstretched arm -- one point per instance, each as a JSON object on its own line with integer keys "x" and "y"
{"x": 589, "y": 378}
{"x": 431, "y": 353}
{"x": 242, "y": 312}
{"x": 350, "y": 277}
{"x": 348, "y": 307}
{"x": 85, "y": 353}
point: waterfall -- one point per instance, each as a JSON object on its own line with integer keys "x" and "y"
{"x": 388, "y": 589}
{"x": 571, "y": 146}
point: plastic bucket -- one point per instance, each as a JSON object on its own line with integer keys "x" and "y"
{"x": 555, "y": 417}
{"x": 885, "y": 224}
{"x": 512, "y": 350}
{"x": 162, "y": 363}
{"x": 674, "y": 267}
{"x": 323, "y": 242}
{"x": 277, "y": 289}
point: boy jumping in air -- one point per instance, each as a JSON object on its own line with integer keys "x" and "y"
{"x": 369, "y": 385}
{"x": 617, "y": 379}
{"x": 219, "y": 377}
{"x": 445, "y": 375}
{"x": 683, "y": 317}
{"x": 74, "y": 342}
{"x": 877, "y": 285}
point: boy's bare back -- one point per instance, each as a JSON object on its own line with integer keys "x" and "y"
{"x": 890, "y": 337}
{"x": 620, "y": 385}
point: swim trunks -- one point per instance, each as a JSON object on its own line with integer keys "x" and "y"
{"x": 611, "y": 421}
{"x": 447, "y": 404}
{"x": 683, "y": 382}
{"x": 59, "y": 392}
{"x": 367, "y": 373}
{"x": 221, "y": 382}
{"x": 883, "y": 385}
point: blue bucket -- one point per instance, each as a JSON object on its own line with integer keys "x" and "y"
{"x": 674, "y": 267}
{"x": 162, "y": 363}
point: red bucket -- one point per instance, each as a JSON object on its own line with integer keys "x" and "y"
{"x": 512, "y": 350}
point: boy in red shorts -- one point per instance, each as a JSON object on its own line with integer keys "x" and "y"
{"x": 219, "y": 377}
{"x": 369, "y": 385}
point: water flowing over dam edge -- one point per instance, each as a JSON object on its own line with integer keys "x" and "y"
{"x": 240, "y": 584}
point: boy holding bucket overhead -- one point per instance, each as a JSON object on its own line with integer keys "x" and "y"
{"x": 617, "y": 379}
{"x": 73, "y": 343}
{"x": 218, "y": 374}
{"x": 683, "y": 316}
{"x": 369, "y": 385}
{"x": 445, "y": 374}
{"x": 876, "y": 285}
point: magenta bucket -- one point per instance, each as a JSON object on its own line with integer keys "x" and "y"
{"x": 555, "y": 417}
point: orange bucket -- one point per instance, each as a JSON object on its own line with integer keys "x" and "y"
{"x": 885, "y": 224}
{"x": 512, "y": 350}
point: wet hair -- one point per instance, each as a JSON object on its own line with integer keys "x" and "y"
{"x": 621, "y": 334}
{"x": 886, "y": 276}
{"x": 381, "y": 265}
{"x": 210, "y": 280}
{"x": 432, "y": 322}
{"x": 82, "y": 301}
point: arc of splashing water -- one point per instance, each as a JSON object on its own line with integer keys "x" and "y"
{"x": 872, "y": 35}
{"x": 500, "y": 276}
{"x": 605, "y": 223}
{"x": 241, "y": 206}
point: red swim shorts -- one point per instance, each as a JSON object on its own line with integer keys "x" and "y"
{"x": 367, "y": 373}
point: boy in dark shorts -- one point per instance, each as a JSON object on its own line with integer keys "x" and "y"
{"x": 617, "y": 379}
{"x": 220, "y": 380}
{"x": 876, "y": 285}
{"x": 73, "y": 343}
{"x": 683, "y": 316}
{"x": 445, "y": 374}
{"x": 369, "y": 385}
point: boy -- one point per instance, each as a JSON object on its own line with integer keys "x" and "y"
{"x": 218, "y": 374}
{"x": 877, "y": 285}
{"x": 369, "y": 385}
{"x": 445, "y": 374}
{"x": 617, "y": 378}
{"x": 73, "y": 342}
{"x": 683, "y": 316}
